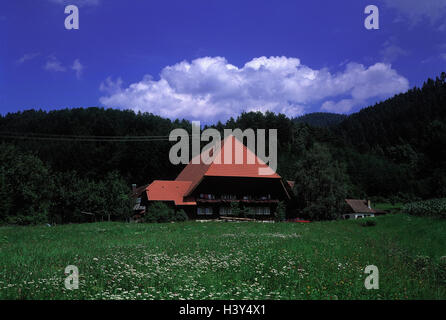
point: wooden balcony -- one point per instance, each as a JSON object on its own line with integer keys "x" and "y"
{"x": 252, "y": 201}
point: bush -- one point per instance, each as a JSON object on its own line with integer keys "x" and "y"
{"x": 181, "y": 216}
{"x": 280, "y": 214}
{"x": 434, "y": 207}
{"x": 236, "y": 211}
{"x": 161, "y": 212}
{"x": 158, "y": 212}
{"x": 422, "y": 262}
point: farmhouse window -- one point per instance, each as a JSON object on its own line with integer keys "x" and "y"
{"x": 259, "y": 210}
{"x": 204, "y": 210}
{"x": 207, "y": 196}
{"x": 225, "y": 211}
{"x": 262, "y": 210}
{"x": 228, "y": 197}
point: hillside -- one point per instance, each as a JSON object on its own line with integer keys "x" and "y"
{"x": 321, "y": 119}
{"x": 409, "y": 130}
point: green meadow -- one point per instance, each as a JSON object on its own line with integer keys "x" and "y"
{"x": 226, "y": 260}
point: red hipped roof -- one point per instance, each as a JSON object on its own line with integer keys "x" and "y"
{"x": 218, "y": 168}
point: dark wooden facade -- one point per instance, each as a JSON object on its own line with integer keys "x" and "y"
{"x": 218, "y": 193}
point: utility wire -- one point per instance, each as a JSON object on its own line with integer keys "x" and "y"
{"x": 80, "y": 140}
{"x": 85, "y": 138}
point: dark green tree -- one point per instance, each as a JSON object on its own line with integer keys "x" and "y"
{"x": 117, "y": 201}
{"x": 320, "y": 185}
{"x": 26, "y": 187}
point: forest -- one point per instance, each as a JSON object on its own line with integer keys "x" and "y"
{"x": 57, "y": 165}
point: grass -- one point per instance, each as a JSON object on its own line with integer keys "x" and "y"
{"x": 192, "y": 260}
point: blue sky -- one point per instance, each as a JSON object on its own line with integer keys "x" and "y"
{"x": 211, "y": 59}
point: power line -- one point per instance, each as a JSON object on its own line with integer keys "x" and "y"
{"x": 89, "y": 139}
{"x": 85, "y": 138}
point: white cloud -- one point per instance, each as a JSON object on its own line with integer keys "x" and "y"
{"x": 78, "y": 68}
{"x": 53, "y": 64}
{"x": 342, "y": 106}
{"x": 416, "y": 10}
{"x": 210, "y": 87}
{"x": 27, "y": 57}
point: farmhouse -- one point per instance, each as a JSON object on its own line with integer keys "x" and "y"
{"x": 208, "y": 191}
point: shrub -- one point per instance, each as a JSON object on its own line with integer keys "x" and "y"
{"x": 161, "y": 212}
{"x": 280, "y": 214}
{"x": 433, "y": 207}
{"x": 421, "y": 262}
{"x": 235, "y": 209}
{"x": 181, "y": 215}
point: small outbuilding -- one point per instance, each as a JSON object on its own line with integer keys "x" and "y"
{"x": 358, "y": 209}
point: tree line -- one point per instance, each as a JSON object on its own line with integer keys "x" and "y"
{"x": 394, "y": 150}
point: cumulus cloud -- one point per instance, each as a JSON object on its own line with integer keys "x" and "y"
{"x": 54, "y": 65}
{"x": 208, "y": 88}
{"x": 416, "y": 10}
{"x": 78, "y": 68}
